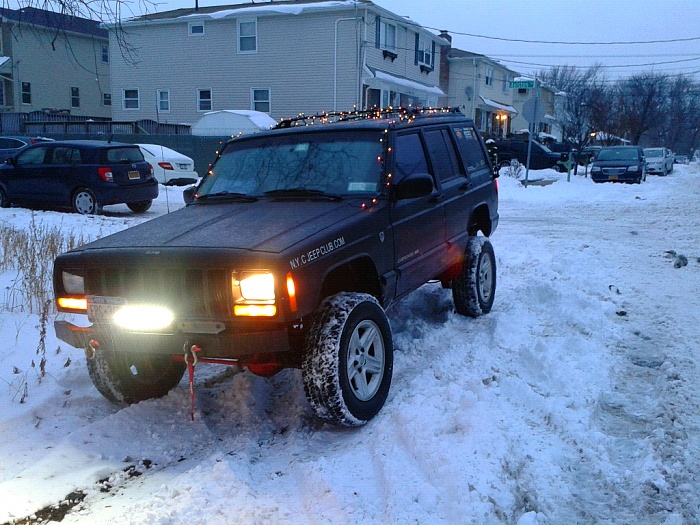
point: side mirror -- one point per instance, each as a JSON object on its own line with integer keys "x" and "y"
{"x": 414, "y": 186}
{"x": 188, "y": 194}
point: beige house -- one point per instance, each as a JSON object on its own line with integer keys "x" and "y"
{"x": 54, "y": 63}
{"x": 480, "y": 87}
{"x": 546, "y": 128}
{"x": 282, "y": 58}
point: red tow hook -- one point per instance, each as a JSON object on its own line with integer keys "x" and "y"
{"x": 191, "y": 360}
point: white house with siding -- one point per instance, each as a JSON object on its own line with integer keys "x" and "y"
{"x": 53, "y": 62}
{"x": 282, "y": 58}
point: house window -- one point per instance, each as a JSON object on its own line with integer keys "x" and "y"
{"x": 260, "y": 100}
{"x": 247, "y": 36}
{"x": 105, "y": 54}
{"x": 196, "y": 28}
{"x": 164, "y": 100}
{"x": 506, "y": 85}
{"x": 75, "y": 97}
{"x": 26, "y": 92}
{"x": 489, "y": 76}
{"x": 425, "y": 52}
{"x": 131, "y": 99}
{"x": 106, "y": 99}
{"x": 2, "y": 92}
{"x": 387, "y": 36}
{"x": 204, "y": 100}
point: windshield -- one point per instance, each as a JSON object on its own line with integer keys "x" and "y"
{"x": 335, "y": 163}
{"x": 653, "y": 152}
{"x": 618, "y": 154}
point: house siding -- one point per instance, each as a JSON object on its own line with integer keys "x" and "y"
{"x": 299, "y": 72}
{"x": 73, "y": 61}
{"x": 311, "y": 62}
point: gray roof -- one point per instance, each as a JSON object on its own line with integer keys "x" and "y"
{"x": 55, "y": 21}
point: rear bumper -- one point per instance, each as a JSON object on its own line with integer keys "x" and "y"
{"x": 125, "y": 194}
{"x": 222, "y": 345}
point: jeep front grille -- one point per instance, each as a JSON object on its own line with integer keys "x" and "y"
{"x": 192, "y": 293}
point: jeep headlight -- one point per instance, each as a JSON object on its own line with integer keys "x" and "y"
{"x": 72, "y": 283}
{"x": 254, "y": 294}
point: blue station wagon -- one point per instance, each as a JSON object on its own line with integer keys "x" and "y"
{"x": 84, "y": 175}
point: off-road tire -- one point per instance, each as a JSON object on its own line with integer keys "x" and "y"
{"x": 348, "y": 359}
{"x": 85, "y": 202}
{"x": 139, "y": 207}
{"x": 474, "y": 288}
{"x": 130, "y": 377}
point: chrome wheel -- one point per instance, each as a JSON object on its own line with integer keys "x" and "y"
{"x": 486, "y": 278}
{"x": 365, "y": 360}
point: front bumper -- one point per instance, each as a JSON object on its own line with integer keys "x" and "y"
{"x": 225, "y": 345}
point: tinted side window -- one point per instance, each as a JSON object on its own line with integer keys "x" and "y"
{"x": 65, "y": 155}
{"x": 7, "y": 143}
{"x": 409, "y": 156}
{"x": 470, "y": 147}
{"x": 32, "y": 157}
{"x": 442, "y": 154}
{"x": 518, "y": 146}
{"x": 124, "y": 155}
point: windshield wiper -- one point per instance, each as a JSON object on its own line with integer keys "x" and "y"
{"x": 242, "y": 197}
{"x": 303, "y": 192}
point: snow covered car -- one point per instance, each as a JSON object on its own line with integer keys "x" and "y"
{"x": 168, "y": 164}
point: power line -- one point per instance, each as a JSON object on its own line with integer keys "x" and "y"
{"x": 612, "y": 43}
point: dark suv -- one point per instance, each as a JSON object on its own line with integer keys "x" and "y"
{"x": 541, "y": 157}
{"x": 296, "y": 242}
{"x": 84, "y": 175}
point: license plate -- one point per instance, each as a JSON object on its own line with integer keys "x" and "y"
{"x": 183, "y": 166}
{"x": 134, "y": 175}
{"x": 100, "y": 307}
{"x": 613, "y": 177}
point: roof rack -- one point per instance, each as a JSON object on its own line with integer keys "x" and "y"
{"x": 403, "y": 114}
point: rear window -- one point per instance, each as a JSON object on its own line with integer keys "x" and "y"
{"x": 124, "y": 155}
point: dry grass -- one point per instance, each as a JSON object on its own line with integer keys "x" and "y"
{"x": 31, "y": 252}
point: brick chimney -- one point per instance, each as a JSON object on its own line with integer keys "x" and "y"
{"x": 445, "y": 66}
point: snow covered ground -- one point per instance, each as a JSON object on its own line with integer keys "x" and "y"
{"x": 575, "y": 401}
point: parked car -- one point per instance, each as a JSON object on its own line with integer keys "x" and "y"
{"x": 168, "y": 164}
{"x": 619, "y": 164}
{"x": 681, "y": 159}
{"x": 84, "y": 175}
{"x": 297, "y": 240}
{"x": 9, "y": 145}
{"x": 659, "y": 160}
{"x": 587, "y": 155}
{"x": 541, "y": 157}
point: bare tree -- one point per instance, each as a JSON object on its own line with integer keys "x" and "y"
{"x": 642, "y": 102}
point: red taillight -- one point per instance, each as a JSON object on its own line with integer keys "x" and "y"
{"x": 106, "y": 174}
{"x": 166, "y": 165}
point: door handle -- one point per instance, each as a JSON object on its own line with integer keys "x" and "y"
{"x": 437, "y": 198}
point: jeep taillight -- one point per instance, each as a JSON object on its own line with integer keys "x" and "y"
{"x": 166, "y": 165}
{"x": 105, "y": 174}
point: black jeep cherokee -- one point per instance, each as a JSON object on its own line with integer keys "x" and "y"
{"x": 296, "y": 242}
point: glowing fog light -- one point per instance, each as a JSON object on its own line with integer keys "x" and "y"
{"x": 141, "y": 318}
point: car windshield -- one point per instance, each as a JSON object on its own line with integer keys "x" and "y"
{"x": 338, "y": 163}
{"x": 653, "y": 153}
{"x": 618, "y": 154}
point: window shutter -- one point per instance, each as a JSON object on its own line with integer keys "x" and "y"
{"x": 377, "y": 31}
{"x": 417, "y": 44}
{"x": 432, "y": 57}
